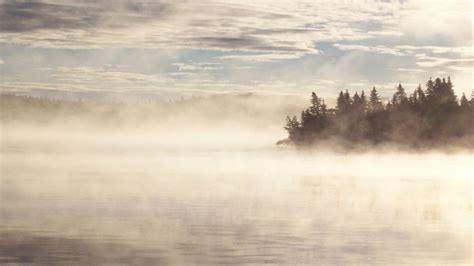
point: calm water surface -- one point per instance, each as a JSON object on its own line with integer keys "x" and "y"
{"x": 139, "y": 204}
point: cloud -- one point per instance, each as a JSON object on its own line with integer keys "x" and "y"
{"x": 97, "y": 76}
{"x": 110, "y": 80}
{"x": 260, "y": 57}
{"x": 386, "y": 33}
{"x": 407, "y": 49}
{"x": 434, "y": 61}
{"x": 434, "y": 20}
{"x": 259, "y": 30}
{"x": 63, "y": 80}
{"x": 369, "y": 49}
{"x": 211, "y": 45}
{"x": 410, "y": 70}
{"x": 281, "y": 27}
{"x": 410, "y": 49}
{"x": 197, "y": 66}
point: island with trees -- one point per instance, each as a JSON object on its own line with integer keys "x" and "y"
{"x": 429, "y": 117}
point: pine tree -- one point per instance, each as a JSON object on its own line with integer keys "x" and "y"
{"x": 430, "y": 91}
{"x": 413, "y": 100}
{"x": 314, "y": 99}
{"x": 292, "y": 126}
{"x": 363, "y": 100}
{"x": 324, "y": 109}
{"x": 347, "y": 98}
{"x": 449, "y": 95}
{"x": 400, "y": 97}
{"x": 316, "y": 105}
{"x": 340, "y": 103}
{"x": 358, "y": 104}
{"x": 374, "y": 101}
{"x": 421, "y": 98}
{"x": 464, "y": 103}
{"x": 305, "y": 116}
{"x": 344, "y": 102}
{"x": 356, "y": 99}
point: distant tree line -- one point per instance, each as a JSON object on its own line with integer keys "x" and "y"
{"x": 427, "y": 116}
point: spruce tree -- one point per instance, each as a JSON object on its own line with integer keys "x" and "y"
{"x": 340, "y": 104}
{"x": 399, "y": 97}
{"x": 343, "y": 103}
{"x": 430, "y": 91}
{"x": 292, "y": 125}
{"x": 363, "y": 100}
{"x": 358, "y": 104}
{"x": 464, "y": 103}
{"x": 374, "y": 101}
{"x": 347, "y": 99}
{"x": 316, "y": 105}
{"x": 421, "y": 98}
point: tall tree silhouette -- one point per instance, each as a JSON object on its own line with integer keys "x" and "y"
{"x": 358, "y": 103}
{"x": 292, "y": 127}
{"x": 464, "y": 102}
{"x": 428, "y": 116}
{"x": 400, "y": 99}
{"x": 344, "y": 102}
{"x": 375, "y": 104}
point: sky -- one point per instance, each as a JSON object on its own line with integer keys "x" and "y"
{"x": 166, "y": 50}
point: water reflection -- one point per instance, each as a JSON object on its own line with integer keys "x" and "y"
{"x": 233, "y": 207}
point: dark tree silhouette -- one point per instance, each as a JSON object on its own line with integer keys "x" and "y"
{"x": 399, "y": 99}
{"x": 426, "y": 117}
{"x": 464, "y": 103}
{"x": 375, "y": 104}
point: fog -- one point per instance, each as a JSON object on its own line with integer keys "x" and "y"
{"x": 202, "y": 182}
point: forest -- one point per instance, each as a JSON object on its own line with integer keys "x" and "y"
{"x": 427, "y": 117}
{"x": 218, "y": 110}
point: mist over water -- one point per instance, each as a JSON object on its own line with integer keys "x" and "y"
{"x": 236, "y": 132}
{"x": 215, "y": 193}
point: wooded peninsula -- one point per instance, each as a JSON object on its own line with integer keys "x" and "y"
{"x": 427, "y": 117}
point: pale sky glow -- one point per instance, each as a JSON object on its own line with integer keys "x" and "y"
{"x": 166, "y": 49}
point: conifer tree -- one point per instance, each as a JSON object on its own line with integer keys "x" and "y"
{"x": 374, "y": 101}
{"x": 305, "y": 116}
{"x": 450, "y": 96}
{"x": 356, "y": 99}
{"x": 400, "y": 97}
{"x": 291, "y": 127}
{"x": 464, "y": 103}
{"x": 421, "y": 98}
{"x": 340, "y": 104}
{"x": 347, "y": 99}
{"x": 363, "y": 100}
{"x": 413, "y": 100}
{"x": 316, "y": 105}
{"x": 430, "y": 91}
{"x": 358, "y": 104}
{"x": 343, "y": 103}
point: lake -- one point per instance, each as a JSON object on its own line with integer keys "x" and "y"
{"x": 79, "y": 200}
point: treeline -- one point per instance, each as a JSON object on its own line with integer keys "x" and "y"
{"x": 430, "y": 116}
{"x": 218, "y": 110}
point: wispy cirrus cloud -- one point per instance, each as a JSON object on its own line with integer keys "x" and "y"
{"x": 270, "y": 27}
{"x": 429, "y": 61}
{"x": 370, "y": 49}
{"x": 102, "y": 76}
{"x": 386, "y": 33}
{"x": 222, "y": 45}
{"x": 260, "y": 57}
{"x": 410, "y": 70}
{"x": 407, "y": 50}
